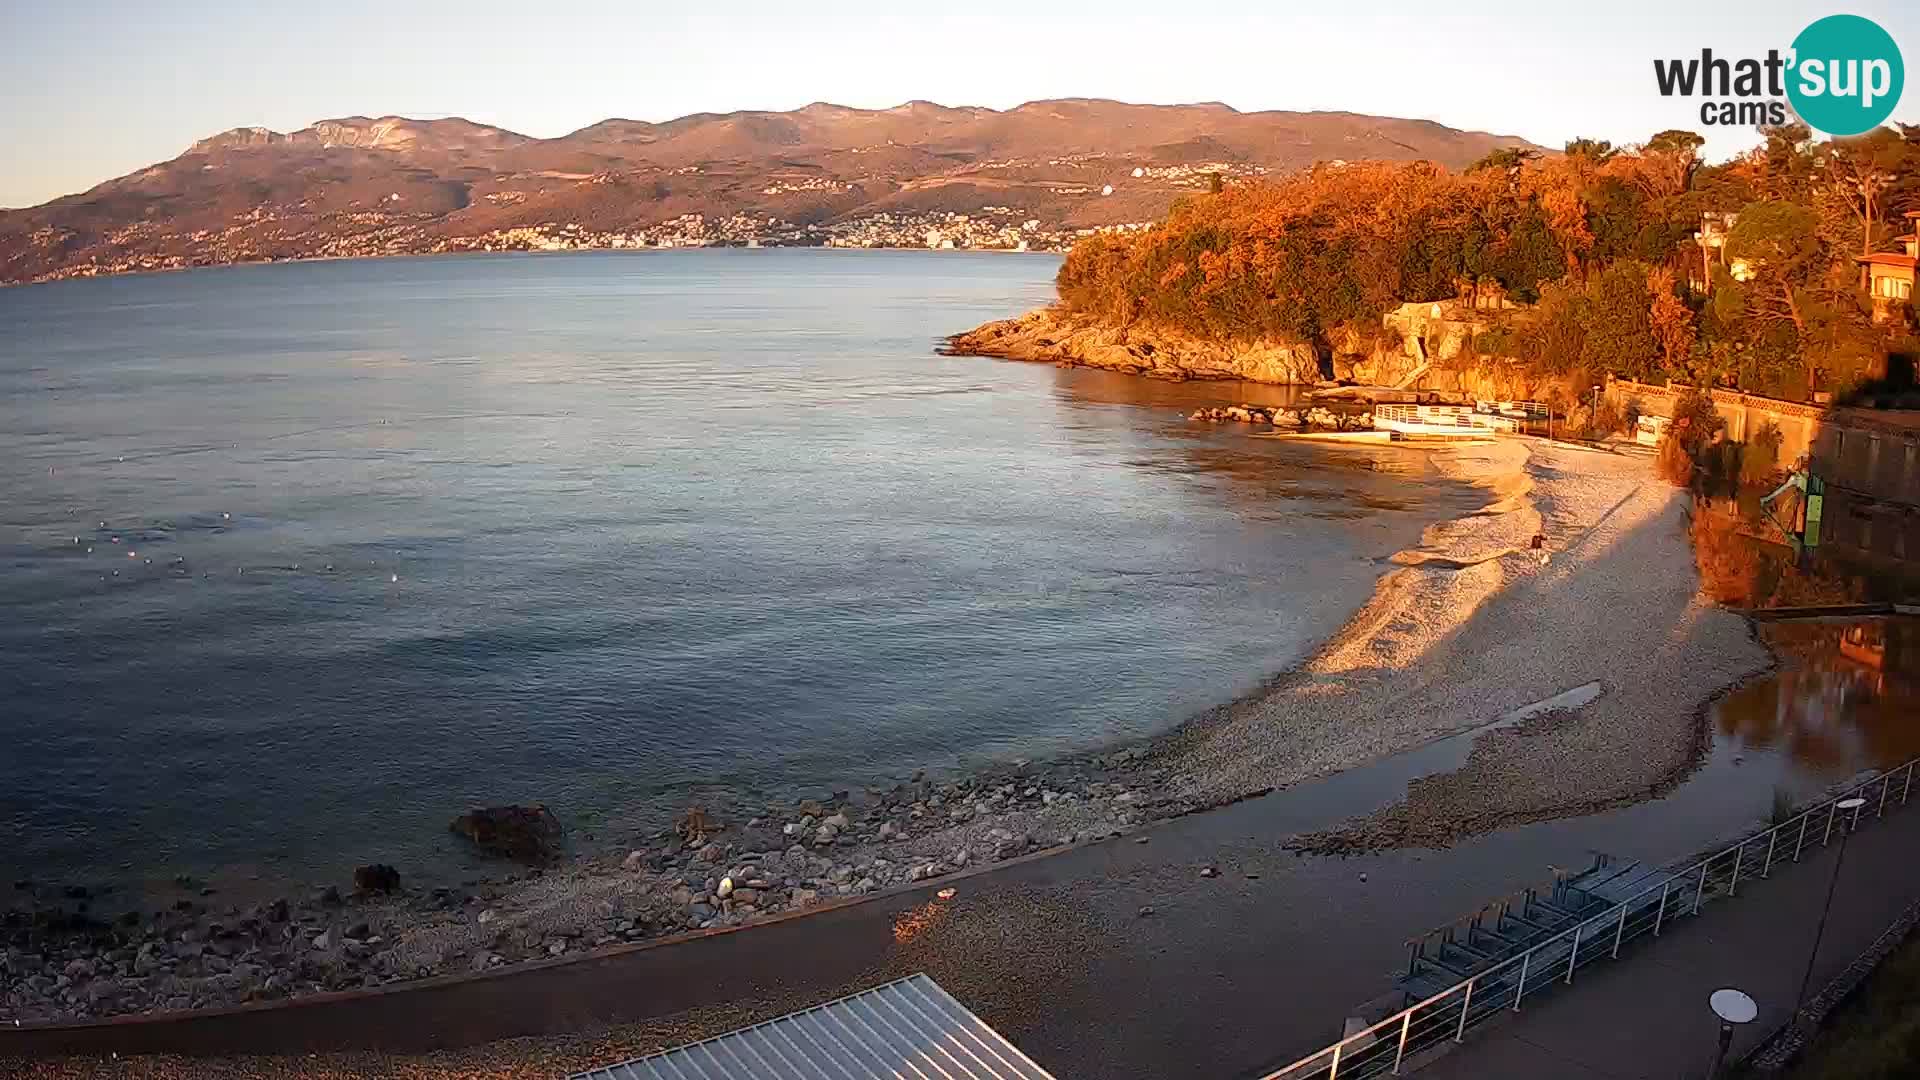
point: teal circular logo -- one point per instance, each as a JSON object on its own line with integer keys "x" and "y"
{"x": 1846, "y": 75}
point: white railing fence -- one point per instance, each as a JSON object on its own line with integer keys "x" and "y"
{"x": 1385, "y": 1048}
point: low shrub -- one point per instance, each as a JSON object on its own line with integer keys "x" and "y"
{"x": 1760, "y": 456}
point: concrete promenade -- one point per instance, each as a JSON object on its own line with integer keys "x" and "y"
{"x": 1645, "y": 1016}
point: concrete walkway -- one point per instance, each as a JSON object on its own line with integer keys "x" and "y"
{"x": 1646, "y": 1015}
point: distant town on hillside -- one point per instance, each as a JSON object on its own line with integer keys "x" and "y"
{"x": 1035, "y": 177}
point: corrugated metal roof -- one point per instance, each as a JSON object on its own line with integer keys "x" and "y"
{"x": 909, "y": 1029}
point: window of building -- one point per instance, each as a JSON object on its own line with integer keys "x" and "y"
{"x": 1893, "y": 288}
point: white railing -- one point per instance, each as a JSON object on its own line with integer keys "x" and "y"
{"x": 1383, "y": 1049}
{"x": 1440, "y": 420}
{"x": 1460, "y": 416}
{"x": 1519, "y": 410}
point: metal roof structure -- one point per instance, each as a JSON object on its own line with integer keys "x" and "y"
{"x": 909, "y": 1029}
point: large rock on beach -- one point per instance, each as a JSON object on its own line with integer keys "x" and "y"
{"x": 376, "y": 878}
{"x": 526, "y": 833}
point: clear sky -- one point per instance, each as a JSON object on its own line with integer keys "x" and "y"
{"x": 91, "y": 89}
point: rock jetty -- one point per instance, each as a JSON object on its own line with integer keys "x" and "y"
{"x": 1301, "y": 416}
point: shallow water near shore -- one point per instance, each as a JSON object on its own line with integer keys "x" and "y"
{"x": 1842, "y": 705}
{"x": 619, "y": 533}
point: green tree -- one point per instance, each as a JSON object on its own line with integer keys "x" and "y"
{"x": 1670, "y": 160}
{"x": 1787, "y": 160}
{"x": 1675, "y": 141}
{"x": 1505, "y": 158}
{"x": 1554, "y": 339}
{"x": 1797, "y": 304}
{"x": 1596, "y": 151}
{"x": 1526, "y": 257}
{"x": 1780, "y": 241}
{"x": 1618, "y": 323}
{"x": 1904, "y": 193}
{"x": 1860, "y": 170}
{"x": 1600, "y": 238}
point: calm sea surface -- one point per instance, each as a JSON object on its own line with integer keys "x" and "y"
{"x": 298, "y": 561}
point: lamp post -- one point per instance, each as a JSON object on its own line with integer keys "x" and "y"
{"x": 1733, "y": 1008}
{"x": 1852, "y": 807}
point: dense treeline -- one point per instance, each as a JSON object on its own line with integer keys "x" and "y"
{"x": 1598, "y": 241}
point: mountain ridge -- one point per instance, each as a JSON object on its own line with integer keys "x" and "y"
{"x": 1043, "y": 171}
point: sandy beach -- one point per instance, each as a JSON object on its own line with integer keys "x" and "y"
{"x": 1468, "y": 627}
{"x": 1476, "y": 625}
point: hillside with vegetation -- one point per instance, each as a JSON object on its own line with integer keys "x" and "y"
{"x": 1590, "y": 259}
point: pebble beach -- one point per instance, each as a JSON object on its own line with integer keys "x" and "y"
{"x": 1474, "y": 623}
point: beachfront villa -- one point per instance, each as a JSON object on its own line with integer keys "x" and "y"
{"x": 1888, "y": 275}
{"x": 1715, "y": 227}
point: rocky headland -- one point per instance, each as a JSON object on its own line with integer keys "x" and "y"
{"x": 1056, "y": 336}
{"x": 1426, "y": 350}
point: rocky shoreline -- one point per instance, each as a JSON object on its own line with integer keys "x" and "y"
{"x": 61, "y": 963}
{"x": 1055, "y": 336}
{"x": 1430, "y": 345}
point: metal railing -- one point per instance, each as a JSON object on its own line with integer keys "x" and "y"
{"x": 1520, "y": 410}
{"x": 1441, "y": 419}
{"x": 1385, "y": 1048}
{"x": 1429, "y": 415}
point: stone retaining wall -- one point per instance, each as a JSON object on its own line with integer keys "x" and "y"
{"x": 1869, "y": 458}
